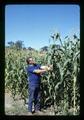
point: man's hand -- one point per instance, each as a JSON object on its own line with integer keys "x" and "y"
{"x": 47, "y": 68}
{"x": 50, "y": 67}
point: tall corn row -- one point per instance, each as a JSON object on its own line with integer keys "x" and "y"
{"x": 64, "y": 60}
{"x": 15, "y": 76}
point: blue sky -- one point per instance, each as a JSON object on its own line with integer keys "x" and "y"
{"x": 34, "y": 24}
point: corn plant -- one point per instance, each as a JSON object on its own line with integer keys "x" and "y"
{"x": 62, "y": 80}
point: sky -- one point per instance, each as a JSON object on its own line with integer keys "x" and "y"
{"x": 34, "y": 24}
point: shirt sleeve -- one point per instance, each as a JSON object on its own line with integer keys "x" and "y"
{"x": 31, "y": 69}
{"x": 39, "y": 66}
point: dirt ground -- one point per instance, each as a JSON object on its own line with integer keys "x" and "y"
{"x": 17, "y": 107}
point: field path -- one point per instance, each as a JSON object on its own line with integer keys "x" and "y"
{"x": 18, "y": 108}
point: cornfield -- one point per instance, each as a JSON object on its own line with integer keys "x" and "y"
{"x": 60, "y": 88}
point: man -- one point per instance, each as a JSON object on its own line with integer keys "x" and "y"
{"x": 34, "y": 75}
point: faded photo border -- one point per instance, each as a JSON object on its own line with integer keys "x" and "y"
{"x": 2, "y": 58}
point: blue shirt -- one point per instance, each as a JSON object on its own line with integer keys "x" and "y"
{"x": 34, "y": 78}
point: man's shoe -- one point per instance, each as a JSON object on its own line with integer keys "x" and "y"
{"x": 38, "y": 112}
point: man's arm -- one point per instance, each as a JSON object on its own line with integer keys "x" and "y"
{"x": 38, "y": 71}
{"x": 43, "y": 69}
{"x": 49, "y": 67}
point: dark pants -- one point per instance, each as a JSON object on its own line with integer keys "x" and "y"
{"x": 34, "y": 97}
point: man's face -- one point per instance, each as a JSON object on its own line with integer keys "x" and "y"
{"x": 31, "y": 61}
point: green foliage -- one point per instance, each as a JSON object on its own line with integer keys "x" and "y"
{"x": 60, "y": 86}
{"x": 63, "y": 82}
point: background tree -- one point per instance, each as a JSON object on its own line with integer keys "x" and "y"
{"x": 11, "y": 44}
{"x": 19, "y": 44}
{"x": 16, "y": 45}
